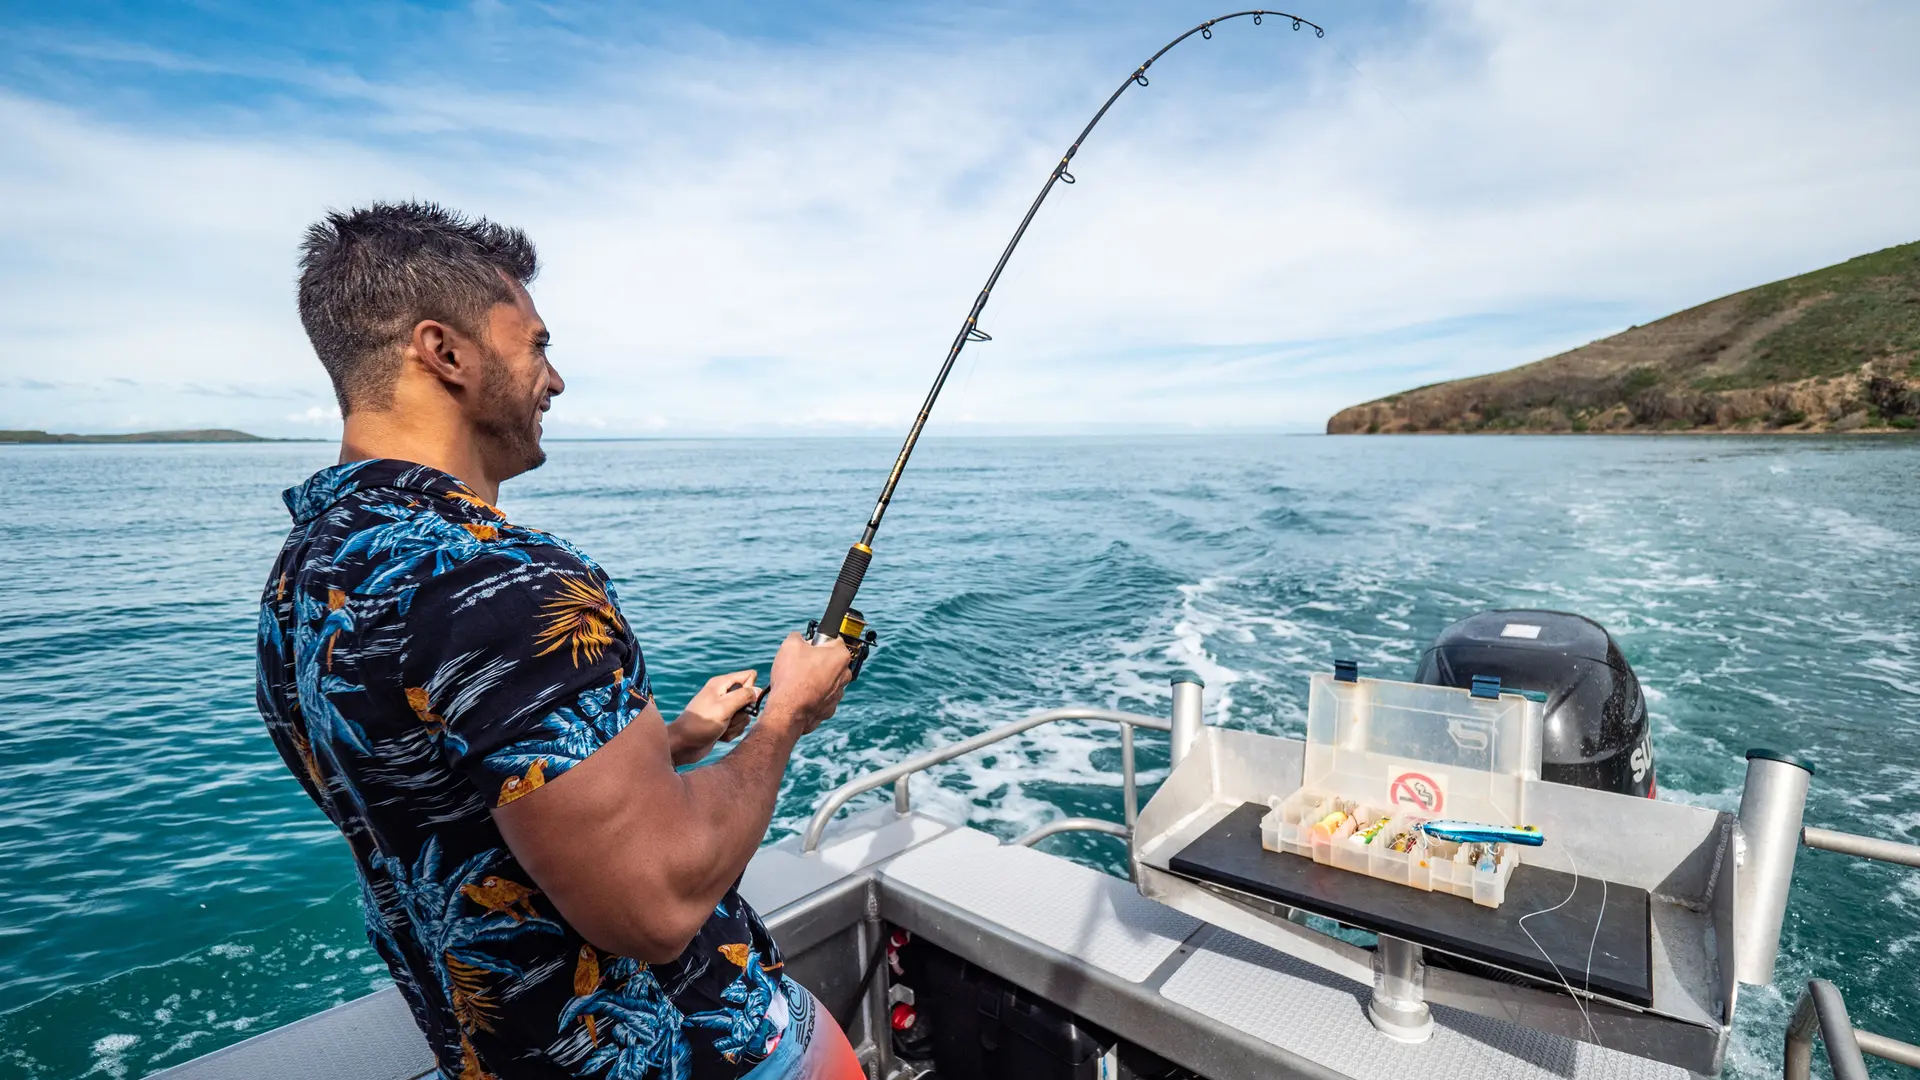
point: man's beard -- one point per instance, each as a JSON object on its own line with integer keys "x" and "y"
{"x": 509, "y": 421}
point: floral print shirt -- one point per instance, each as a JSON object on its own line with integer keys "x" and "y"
{"x": 423, "y": 660}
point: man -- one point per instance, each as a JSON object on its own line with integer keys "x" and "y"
{"x": 463, "y": 698}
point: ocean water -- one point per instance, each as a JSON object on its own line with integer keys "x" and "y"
{"x": 168, "y": 889}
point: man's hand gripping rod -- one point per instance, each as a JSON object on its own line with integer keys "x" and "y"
{"x": 841, "y": 617}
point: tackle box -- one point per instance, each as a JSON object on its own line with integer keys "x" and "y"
{"x": 1385, "y": 756}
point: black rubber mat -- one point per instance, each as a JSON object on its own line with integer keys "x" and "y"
{"x": 1230, "y": 854}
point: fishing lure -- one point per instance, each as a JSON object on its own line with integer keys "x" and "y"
{"x": 1473, "y": 832}
{"x": 1365, "y": 836}
{"x": 1331, "y": 823}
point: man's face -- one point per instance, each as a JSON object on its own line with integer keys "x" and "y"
{"x": 516, "y": 387}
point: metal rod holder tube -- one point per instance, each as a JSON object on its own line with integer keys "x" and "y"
{"x": 1189, "y": 713}
{"x": 1398, "y": 1007}
{"x": 1822, "y": 1002}
{"x": 902, "y": 795}
{"x": 1770, "y": 811}
{"x": 1129, "y": 792}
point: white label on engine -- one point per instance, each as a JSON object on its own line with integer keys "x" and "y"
{"x": 1642, "y": 758}
{"x": 1520, "y": 629}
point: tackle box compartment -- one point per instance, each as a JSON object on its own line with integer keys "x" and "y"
{"x": 1384, "y": 756}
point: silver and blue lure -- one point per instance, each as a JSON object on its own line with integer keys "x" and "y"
{"x": 1473, "y": 832}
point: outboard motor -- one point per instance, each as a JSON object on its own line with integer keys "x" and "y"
{"x": 1595, "y": 731}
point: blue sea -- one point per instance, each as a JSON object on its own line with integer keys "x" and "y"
{"x": 168, "y": 889}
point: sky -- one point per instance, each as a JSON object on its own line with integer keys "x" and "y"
{"x": 771, "y": 219}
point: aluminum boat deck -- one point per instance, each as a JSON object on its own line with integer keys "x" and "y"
{"x": 1221, "y": 984}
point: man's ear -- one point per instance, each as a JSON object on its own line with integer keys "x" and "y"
{"x": 444, "y": 352}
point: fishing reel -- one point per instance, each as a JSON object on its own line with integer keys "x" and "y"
{"x": 853, "y": 631}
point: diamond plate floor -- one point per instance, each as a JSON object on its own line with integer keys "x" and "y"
{"x": 1079, "y": 911}
{"x": 1321, "y": 1016}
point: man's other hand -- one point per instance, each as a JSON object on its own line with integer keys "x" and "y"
{"x": 807, "y": 681}
{"x": 718, "y": 713}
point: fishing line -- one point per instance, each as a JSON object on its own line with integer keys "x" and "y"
{"x": 1587, "y": 983}
{"x": 1391, "y": 104}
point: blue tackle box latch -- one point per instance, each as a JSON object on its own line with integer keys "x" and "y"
{"x": 1346, "y": 671}
{"x": 1486, "y": 686}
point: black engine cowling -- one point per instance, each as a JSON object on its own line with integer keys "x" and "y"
{"x": 1595, "y": 731}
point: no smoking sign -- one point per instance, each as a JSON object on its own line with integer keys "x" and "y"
{"x": 1417, "y": 788}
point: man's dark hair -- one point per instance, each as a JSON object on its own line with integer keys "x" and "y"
{"x": 368, "y": 277}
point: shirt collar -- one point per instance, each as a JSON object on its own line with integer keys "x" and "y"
{"x": 311, "y": 498}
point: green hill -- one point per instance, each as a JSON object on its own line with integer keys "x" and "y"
{"x": 1834, "y": 350}
{"x": 203, "y": 435}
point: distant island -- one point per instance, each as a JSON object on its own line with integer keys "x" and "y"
{"x": 203, "y": 435}
{"x": 1835, "y": 350}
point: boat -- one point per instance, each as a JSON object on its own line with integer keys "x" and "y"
{"x": 945, "y": 952}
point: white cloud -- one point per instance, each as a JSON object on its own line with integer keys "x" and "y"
{"x": 756, "y": 237}
{"x": 320, "y": 415}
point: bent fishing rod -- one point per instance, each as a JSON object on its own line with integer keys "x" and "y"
{"x": 841, "y": 617}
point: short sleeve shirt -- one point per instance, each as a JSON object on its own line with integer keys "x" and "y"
{"x": 421, "y": 661}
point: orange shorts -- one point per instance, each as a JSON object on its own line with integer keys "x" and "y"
{"x": 813, "y": 1046}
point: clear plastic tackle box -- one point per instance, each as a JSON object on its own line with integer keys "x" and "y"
{"x": 1384, "y": 756}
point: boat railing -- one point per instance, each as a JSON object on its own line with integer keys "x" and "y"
{"x": 900, "y": 775}
{"x": 1861, "y": 847}
{"x": 1074, "y": 824}
{"x": 1821, "y": 1004}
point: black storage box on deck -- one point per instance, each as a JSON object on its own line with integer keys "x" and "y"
{"x": 986, "y": 1028}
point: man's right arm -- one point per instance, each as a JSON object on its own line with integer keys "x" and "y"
{"x": 636, "y": 855}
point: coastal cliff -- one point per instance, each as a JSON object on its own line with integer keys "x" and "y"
{"x": 1834, "y": 350}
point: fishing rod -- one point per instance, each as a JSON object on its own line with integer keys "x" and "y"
{"x": 841, "y": 617}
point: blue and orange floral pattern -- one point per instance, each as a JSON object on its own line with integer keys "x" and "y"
{"x": 422, "y": 661}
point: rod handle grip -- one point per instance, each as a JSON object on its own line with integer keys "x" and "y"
{"x": 852, "y": 572}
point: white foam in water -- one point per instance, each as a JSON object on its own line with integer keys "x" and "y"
{"x": 1226, "y": 616}
{"x": 992, "y": 788}
{"x": 1857, "y": 532}
{"x": 1189, "y": 648}
{"x": 109, "y": 1054}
